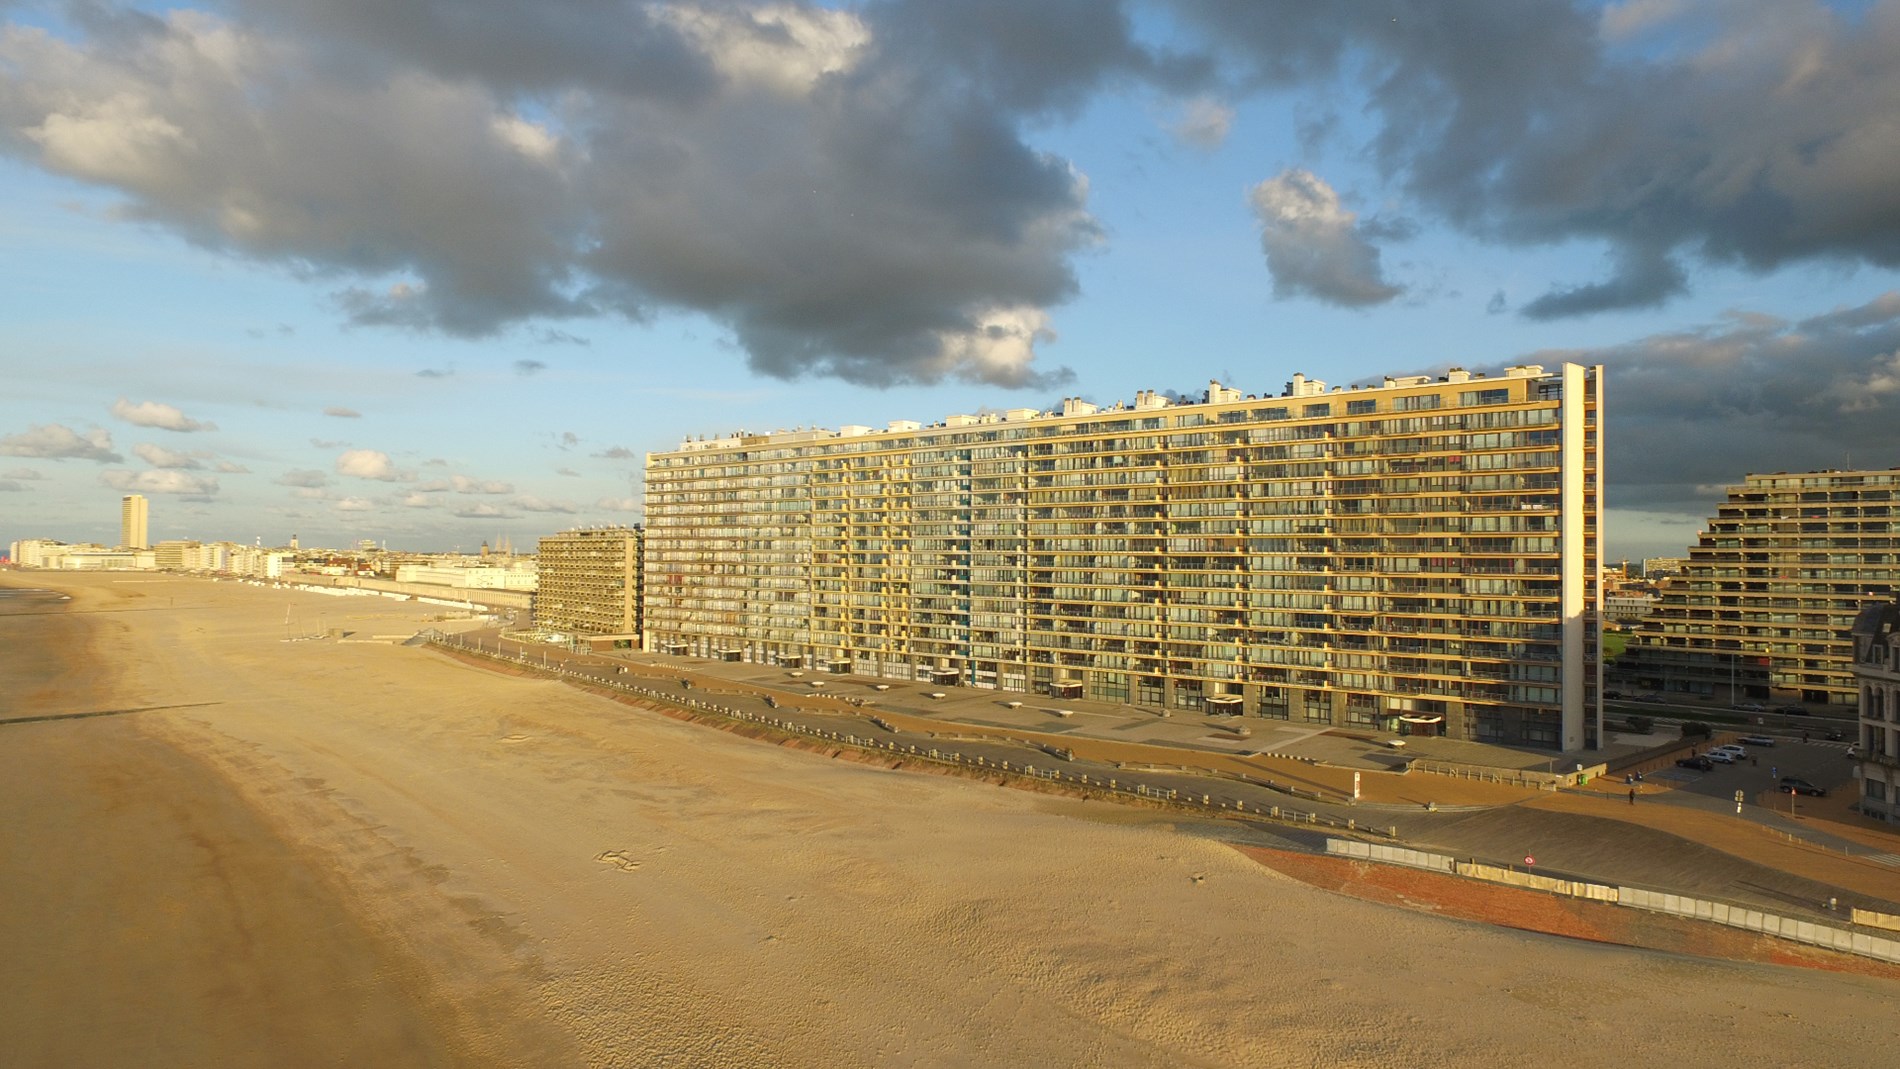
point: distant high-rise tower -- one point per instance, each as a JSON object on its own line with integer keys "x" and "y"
{"x": 133, "y": 516}
{"x": 293, "y": 542}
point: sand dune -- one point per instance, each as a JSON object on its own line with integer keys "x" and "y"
{"x": 330, "y": 854}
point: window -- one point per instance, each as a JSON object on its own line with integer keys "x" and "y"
{"x": 1485, "y": 397}
{"x": 1312, "y": 411}
{"x": 1362, "y": 408}
{"x": 1415, "y": 403}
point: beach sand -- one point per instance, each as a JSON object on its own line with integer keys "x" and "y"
{"x": 358, "y": 853}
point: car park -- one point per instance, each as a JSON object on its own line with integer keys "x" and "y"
{"x": 1720, "y": 757}
{"x": 1696, "y": 761}
{"x": 1756, "y": 740}
{"x": 1797, "y": 785}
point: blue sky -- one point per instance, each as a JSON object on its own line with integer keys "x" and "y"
{"x": 435, "y": 273}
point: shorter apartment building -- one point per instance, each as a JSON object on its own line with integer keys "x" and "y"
{"x": 1876, "y": 750}
{"x": 590, "y": 583}
{"x": 1763, "y": 607}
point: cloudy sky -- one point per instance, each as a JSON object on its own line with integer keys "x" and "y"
{"x": 439, "y": 271}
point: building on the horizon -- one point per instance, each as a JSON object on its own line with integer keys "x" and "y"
{"x": 1420, "y": 555}
{"x": 1768, "y": 597}
{"x": 590, "y": 583}
{"x": 134, "y": 519}
{"x": 1876, "y": 750}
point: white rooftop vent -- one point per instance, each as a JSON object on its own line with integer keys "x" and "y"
{"x": 905, "y": 425}
{"x": 1301, "y": 386}
{"x": 852, "y": 430}
{"x": 1524, "y": 371}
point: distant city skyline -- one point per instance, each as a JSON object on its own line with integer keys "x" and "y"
{"x": 563, "y": 235}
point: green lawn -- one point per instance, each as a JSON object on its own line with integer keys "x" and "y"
{"x": 1613, "y": 644}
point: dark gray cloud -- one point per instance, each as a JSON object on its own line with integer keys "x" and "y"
{"x": 618, "y": 452}
{"x": 1315, "y": 247}
{"x": 850, "y": 190}
{"x": 846, "y": 191}
{"x": 529, "y": 367}
{"x": 1693, "y": 411}
{"x": 1756, "y": 133}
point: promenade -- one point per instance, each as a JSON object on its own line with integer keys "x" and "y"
{"x": 1501, "y": 810}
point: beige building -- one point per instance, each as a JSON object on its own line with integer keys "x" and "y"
{"x": 1420, "y": 555}
{"x": 1765, "y": 604}
{"x": 134, "y": 516}
{"x": 590, "y": 582}
{"x": 1876, "y": 636}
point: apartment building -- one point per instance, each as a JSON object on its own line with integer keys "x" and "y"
{"x": 134, "y": 522}
{"x": 1768, "y": 597}
{"x": 590, "y": 582}
{"x": 1876, "y": 636}
{"x": 1420, "y": 555}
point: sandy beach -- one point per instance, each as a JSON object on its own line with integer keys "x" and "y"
{"x": 351, "y": 852}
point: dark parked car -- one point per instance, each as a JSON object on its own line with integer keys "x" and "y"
{"x": 1756, "y": 740}
{"x": 1792, "y": 710}
{"x": 1833, "y": 734}
{"x": 1796, "y": 785}
{"x": 1696, "y": 762}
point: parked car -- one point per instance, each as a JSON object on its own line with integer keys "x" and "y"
{"x": 1792, "y": 710}
{"x": 1797, "y": 785}
{"x": 1833, "y": 734}
{"x": 1698, "y": 762}
{"x": 1751, "y": 707}
{"x": 1720, "y": 757}
{"x": 1756, "y": 740}
{"x": 1737, "y": 752}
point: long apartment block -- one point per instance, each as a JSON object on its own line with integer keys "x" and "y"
{"x": 1419, "y": 555}
{"x": 1766, "y": 604}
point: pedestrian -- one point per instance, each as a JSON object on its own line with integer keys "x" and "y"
{"x": 1628, "y": 779}
{"x": 1632, "y": 796}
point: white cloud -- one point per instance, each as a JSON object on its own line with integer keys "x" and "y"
{"x": 354, "y": 504}
{"x": 227, "y": 467}
{"x": 160, "y": 457}
{"x": 465, "y": 485}
{"x": 160, "y": 482}
{"x": 27, "y": 474}
{"x": 369, "y": 464}
{"x": 54, "y": 441}
{"x": 1204, "y": 123}
{"x": 618, "y": 504}
{"x": 155, "y": 414}
{"x": 1315, "y": 247}
{"x": 483, "y": 511}
{"x": 303, "y": 477}
{"x": 536, "y": 504}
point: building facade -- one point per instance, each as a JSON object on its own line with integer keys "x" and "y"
{"x": 1765, "y": 605}
{"x": 1420, "y": 555}
{"x": 134, "y": 521}
{"x": 590, "y": 582}
{"x": 1876, "y": 637}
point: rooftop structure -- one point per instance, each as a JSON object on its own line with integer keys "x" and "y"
{"x": 1765, "y": 604}
{"x": 1419, "y": 555}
